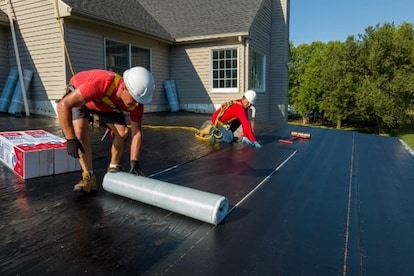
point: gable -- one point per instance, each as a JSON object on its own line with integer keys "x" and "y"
{"x": 200, "y": 18}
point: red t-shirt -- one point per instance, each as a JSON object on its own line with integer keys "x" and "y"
{"x": 236, "y": 111}
{"x": 93, "y": 85}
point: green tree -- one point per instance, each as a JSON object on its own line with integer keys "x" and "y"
{"x": 371, "y": 77}
{"x": 299, "y": 60}
{"x": 309, "y": 93}
{"x": 339, "y": 78}
{"x": 386, "y": 86}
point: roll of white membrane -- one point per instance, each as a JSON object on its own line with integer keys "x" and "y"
{"x": 200, "y": 205}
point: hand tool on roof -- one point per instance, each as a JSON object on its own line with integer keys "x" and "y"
{"x": 295, "y": 135}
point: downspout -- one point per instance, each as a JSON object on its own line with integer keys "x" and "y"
{"x": 246, "y": 71}
{"x": 246, "y": 62}
{"x": 16, "y": 50}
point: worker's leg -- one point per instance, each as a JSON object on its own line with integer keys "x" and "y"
{"x": 81, "y": 126}
{"x": 119, "y": 142}
{"x": 116, "y": 122}
{"x": 234, "y": 125}
{"x": 226, "y": 135}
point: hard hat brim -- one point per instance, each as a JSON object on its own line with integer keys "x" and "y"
{"x": 144, "y": 100}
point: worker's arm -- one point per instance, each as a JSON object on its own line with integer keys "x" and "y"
{"x": 64, "y": 110}
{"x": 136, "y": 140}
{"x": 136, "y": 143}
{"x": 248, "y": 135}
{"x": 246, "y": 126}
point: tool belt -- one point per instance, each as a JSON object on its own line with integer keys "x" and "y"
{"x": 214, "y": 133}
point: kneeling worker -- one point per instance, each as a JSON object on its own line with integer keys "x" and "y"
{"x": 228, "y": 118}
{"x": 109, "y": 95}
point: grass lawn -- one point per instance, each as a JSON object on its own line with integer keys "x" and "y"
{"x": 408, "y": 139}
{"x": 405, "y": 133}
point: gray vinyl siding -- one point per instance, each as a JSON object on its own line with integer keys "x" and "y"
{"x": 39, "y": 44}
{"x": 190, "y": 71}
{"x": 85, "y": 46}
{"x": 160, "y": 68}
{"x": 86, "y": 50}
{"x": 190, "y": 68}
{"x": 4, "y": 56}
{"x": 269, "y": 35}
{"x": 260, "y": 34}
{"x": 278, "y": 63}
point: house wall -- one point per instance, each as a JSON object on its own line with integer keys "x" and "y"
{"x": 40, "y": 50}
{"x": 4, "y": 56}
{"x": 189, "y": 65}
{"x": 280, "y": 57}
{"x": 86, "y": 48}
{"x": 269, "y": 35}
{"x": 259, "y": 41}
{"x": 39, "y": 30}
{"x": 190, "y": 69}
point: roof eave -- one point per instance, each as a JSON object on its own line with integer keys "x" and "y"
{"x": 86, "y": 17}
{"x": 213, "y": 37}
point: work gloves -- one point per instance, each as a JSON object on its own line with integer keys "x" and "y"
{"x": 254, "y": 144}
{"x": 73, "y": 146}
{"x": 257, "y": 145}
{"x": 246, "y": 141}
{"x": 135, "y": 168}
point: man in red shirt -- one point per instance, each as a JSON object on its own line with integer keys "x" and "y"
{"x": 229, "y": 117}
{"x": 109, "y": 95}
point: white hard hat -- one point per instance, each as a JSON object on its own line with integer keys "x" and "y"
{"x": 250, "y": 95}
{"x": 140, "y": 84}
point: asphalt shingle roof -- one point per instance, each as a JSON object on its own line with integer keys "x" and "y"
{"x": 174, "y": 18}
{"x": 127, "y": 13}
{"x": 184, "y": 18}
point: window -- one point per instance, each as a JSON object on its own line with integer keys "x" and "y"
{"x": 225, "y": 73}
{"x": 258, "y": 65}
{"x": 121, "y": 56}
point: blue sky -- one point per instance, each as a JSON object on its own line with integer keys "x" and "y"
{"x": 328, "y": 20}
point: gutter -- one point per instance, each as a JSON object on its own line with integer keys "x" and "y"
{"x": 212, "y": 37}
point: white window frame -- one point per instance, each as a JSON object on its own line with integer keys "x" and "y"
{"x": 212, "y": 73}
{"x": 262, "y": 80}
{"x": 129, "y": 63}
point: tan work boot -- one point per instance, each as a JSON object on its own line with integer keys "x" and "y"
{"x": 87, "y": 184}
{"x": 118, "y": 168}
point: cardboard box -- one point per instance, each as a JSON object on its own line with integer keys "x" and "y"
{"x": 62, "y": 161}
{"x": 35, "y": 153}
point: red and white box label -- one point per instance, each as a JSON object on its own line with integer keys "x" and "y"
{"x": 35, "y": 153}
